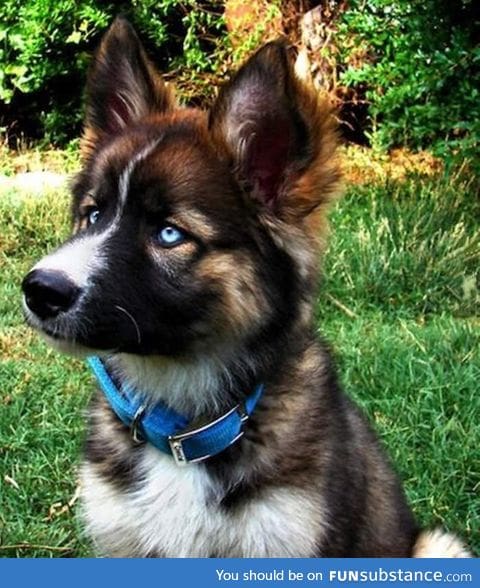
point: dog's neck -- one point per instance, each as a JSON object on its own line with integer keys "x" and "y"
{"x": 208, "y": 384}
{"x": 193, "y": 387}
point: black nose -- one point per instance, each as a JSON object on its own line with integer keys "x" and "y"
{"x": 48, "y": 292}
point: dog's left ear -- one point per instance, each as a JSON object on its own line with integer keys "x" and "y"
{"x": 280, "y": 134}
{"x": 123, "y": 85}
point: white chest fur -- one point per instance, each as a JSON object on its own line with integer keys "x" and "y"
{"x": 172, "y": 513}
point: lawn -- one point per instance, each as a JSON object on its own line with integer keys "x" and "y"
{"x": 398, "y": 303}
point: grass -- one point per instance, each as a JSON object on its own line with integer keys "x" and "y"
{"x": 399, "y": 304}
{"x": 33, "y": 159}
{"x": 42, "y": 397}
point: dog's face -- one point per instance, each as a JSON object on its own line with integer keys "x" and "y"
{"x": 192, "y": 230}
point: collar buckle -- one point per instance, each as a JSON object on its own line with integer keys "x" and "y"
{"x": 176, "y": 441}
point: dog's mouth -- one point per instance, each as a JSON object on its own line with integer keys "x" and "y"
{"x": 67, "y": 345}
{"x": 75, "y": 334}
{"x": 56, "y": 335}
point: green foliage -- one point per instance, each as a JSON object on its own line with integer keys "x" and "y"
{"x": 418, "y": 65}
{"x": 45, "y": 46}
{"x": 33, "y": 36}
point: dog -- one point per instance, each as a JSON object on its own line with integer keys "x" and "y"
{"x": 220, "y": 429}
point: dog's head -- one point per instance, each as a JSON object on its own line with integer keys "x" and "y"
{"x": 192, "y": 229}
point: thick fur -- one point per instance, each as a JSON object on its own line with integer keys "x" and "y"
{"x": 439, "y": 544}
{"x": 200, "y": 324}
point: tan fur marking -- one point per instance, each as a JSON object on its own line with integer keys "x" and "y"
{"x": 243, "y": 304}
{"x": 170, "y": 258}
{"x": 195, "y": 223}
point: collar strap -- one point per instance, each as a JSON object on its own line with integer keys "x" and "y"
{"x": 168, "y": 430}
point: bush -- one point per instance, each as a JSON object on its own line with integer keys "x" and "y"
{"x": 45, "y": 47}
{"x": 417, "y": 64}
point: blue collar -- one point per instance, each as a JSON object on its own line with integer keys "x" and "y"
{"x": 169, "y": 431}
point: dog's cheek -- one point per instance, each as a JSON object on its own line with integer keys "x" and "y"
{"x": 174, "y": 263}
{"x": 241, "y": 304}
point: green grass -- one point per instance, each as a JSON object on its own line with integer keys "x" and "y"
{"x": 42, "y": 396}
{"x": 399, "y": 304}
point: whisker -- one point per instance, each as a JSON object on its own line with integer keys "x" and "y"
{"x": 137, "y": 328}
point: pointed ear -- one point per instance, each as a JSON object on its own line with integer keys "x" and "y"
{"x": 122, "y": 85}
{"x": 278, "y": 132}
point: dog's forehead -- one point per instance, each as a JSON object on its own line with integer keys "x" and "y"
{"x": 175, "y": 162}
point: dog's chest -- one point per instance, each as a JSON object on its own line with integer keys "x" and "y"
{"x": 172, "y": 512}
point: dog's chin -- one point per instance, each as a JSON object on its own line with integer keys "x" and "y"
{"x": 56, "y": 341}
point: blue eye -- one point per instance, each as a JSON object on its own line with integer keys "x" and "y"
{"x": 170, "y": 236}
{"x": 93, "y": 216}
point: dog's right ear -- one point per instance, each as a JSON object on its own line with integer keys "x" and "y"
{"x": 123, "y": 86}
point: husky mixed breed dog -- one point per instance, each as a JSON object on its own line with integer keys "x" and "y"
{"x": 192, "y": 273}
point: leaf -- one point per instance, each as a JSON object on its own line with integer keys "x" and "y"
{"x": 74, "y": 37}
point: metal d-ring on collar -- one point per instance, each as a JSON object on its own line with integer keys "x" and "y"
{"x": 168, "y": 430}
{"x": 137, "y": 437}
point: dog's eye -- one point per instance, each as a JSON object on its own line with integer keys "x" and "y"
{"x": 170, "y": 236}
{"x": 93, "y": 215}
